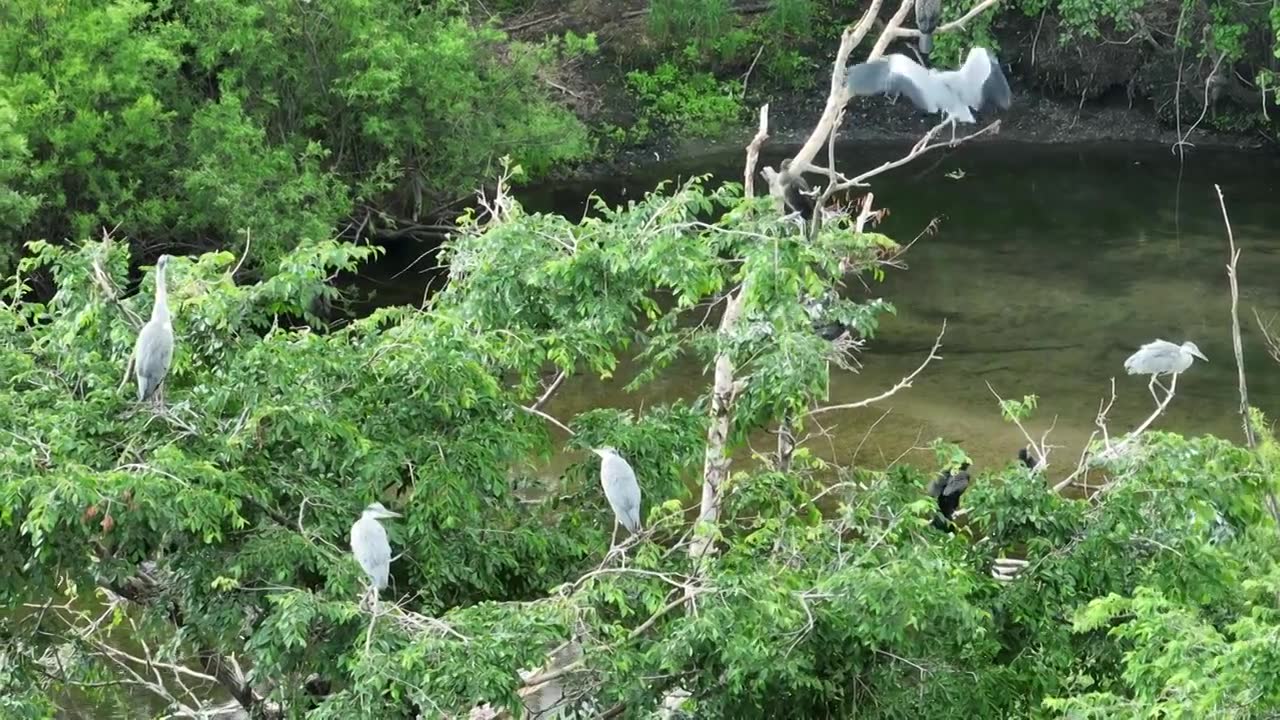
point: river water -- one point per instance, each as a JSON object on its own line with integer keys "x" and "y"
{"x": 1050, "y": 265}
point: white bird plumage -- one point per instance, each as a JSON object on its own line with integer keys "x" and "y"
{"x": 154, "y": 349}
{"x": 370, "y": 546}
{"x": 620, "y": 487}
{"x": 977, "y": 84}
{"x": 1161, "y": 357}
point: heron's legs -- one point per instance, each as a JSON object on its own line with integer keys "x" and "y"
{"x": 1152, "y": 387}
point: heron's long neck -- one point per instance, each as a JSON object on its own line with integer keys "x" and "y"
{"x": 160, "y": 311}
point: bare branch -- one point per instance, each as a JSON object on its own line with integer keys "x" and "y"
{"x": 551, "y": 389}
{"x": 1236, "y": 344}
{"x": 974, "y": 12}
{"x": 921, "y": 147}
{"x": 902, "y": 384}
{"x": 1041, "y": 450}
{"x": 753, "y": 152}
{"x": 248, "y": 237}
{"x": 548, "y": 418}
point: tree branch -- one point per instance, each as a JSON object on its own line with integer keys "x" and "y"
{"x": 548, "y": 418}
{"x": 551, "y": 389}
{"x": 974, "y": 12}
{"x": 1236, "y": 344}
{"x": 902, "y": 384}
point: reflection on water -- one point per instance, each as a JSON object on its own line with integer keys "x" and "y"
{"x": 1050, "y": 266}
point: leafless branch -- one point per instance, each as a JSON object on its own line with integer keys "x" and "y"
{"x": 551, "y": 389}
{"x": 901, "y": 385}
{"x": 1236, "y": 344}
{"x": 921, "y": 147}
{"x": 753, "y": 152}
{"x": 548, "y": 418}
{"x": 248, "y": 237}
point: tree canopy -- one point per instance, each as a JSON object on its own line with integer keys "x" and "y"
{"x": 158, "y": 561}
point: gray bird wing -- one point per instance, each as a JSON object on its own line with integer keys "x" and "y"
{"x": 622, "y": 491}
{"x": 938, "y": 483}
{"x": 1157, "y": 356}
{"x": 956, "y": 485}
{"x": 895, "y": 75}
{"x": 982, "y": 82}
{"x": 372, "y": 550}
{"x": 152, "y": 355}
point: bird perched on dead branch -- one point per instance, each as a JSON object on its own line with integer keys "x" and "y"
{"x": 927, "y": 14}
{"x": 977, "y": 84}
{"x": 947, "y": 489}
{"x": 1162, "y": 357}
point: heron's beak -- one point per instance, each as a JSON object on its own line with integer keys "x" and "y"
{"x": 391, "y": 514}
{"x": 1202, "y": 357}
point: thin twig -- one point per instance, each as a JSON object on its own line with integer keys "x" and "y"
{"x": 548, "y": 418}
{"x": 902, "y": 384}
{"x": 1236, "y": 344}
{"x": 551, "y": 389}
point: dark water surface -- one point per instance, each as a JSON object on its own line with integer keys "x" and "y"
{"x": 1051, "y": 265}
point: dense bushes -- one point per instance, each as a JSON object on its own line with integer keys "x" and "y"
{"x": 192, "y": 123}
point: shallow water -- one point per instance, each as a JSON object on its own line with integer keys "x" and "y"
{"x": 1051, "y": 264}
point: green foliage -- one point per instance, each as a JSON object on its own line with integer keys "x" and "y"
{"x": 1089, "y": 18}
{"x": 1019, "y": 410}
{"x": 692, "y": 104}
{"x": 676, "y": 23}
{"x": 789, "y": 19}
{"x": 224, "y": 520}
{"x": 191, "y": 122}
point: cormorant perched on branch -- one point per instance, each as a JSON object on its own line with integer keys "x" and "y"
{"x": 927, "y": 14}
{"x": 1026, "y": 458}
{"x": 948, "y": 488}
{"x": 795, "y": 191}
{"x": 818, "y": 309}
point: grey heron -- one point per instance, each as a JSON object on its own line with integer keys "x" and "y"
{"x": 154, "y": 349}
{"x": 370, "y": 546}
{"x": 1162, "y": 357}
{"x": 977, "y": 84}
{"x": 620, "y": 488}
{"x": 927, "y": 14}
{"x": 947, "y": 489}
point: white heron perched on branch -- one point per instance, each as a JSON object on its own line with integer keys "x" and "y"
{"x": 620, "y": 488}
{"x": 370, "y": 546}
{"x": 1162, "y": 357}
{"x": 154, "y": 349}
{"x": 977, "y": 84}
